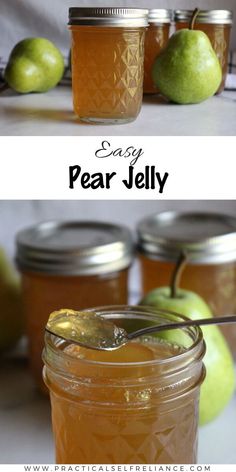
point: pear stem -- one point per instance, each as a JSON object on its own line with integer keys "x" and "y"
{"x": 176, "y": 276}
{"x": 4, "y": 87}
{"x": 193, "y": 19}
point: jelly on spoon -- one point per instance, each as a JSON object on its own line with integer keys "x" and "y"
{"x": 92, "y": 331}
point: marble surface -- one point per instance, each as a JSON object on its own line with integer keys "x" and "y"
{"x": 51, "y": 115}
{"x": 25, "y": 428}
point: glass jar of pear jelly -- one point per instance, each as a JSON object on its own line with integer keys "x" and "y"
{"x": 156, "y": 39}
{"x": 209, "y": 240}
{"x": 70, "y": 264}
{"x": 107, "y": 63}
{"x": 135, "y": 405}
{"x": 217, "y": 25}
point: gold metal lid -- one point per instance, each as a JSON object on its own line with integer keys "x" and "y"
{"x": 108, "y": 16}
{"x": 205, "y": 16}
{"x": 74, "y": 248}
{"x": 208, "y": 238}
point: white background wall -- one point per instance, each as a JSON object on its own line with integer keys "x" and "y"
{"x": 24, "y": 18}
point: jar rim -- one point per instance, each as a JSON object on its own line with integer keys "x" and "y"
{"x": 108, "y": 16}
{"x": 140, "y": 312}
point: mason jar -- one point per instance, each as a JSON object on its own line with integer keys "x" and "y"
{"x": 156, "y": 39}
{"x": 70, "y": 264}
{"x": 209, "y": 240}
{"x": 107, "y": 63}
{"x": 135, "y": 405}
{"x": 217, "y": 25}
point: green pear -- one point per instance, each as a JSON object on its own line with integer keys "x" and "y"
{"x": 188, "y": 70}
{"x": 11, "y": 310}
{"x": 218, "y": 386}
{"x": 34, "y": 65}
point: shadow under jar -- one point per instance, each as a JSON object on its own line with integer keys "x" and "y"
{"x": 69, "y": 264}
{"x": 107, "y": 63}
{"x": 135, "y": 405}
{"x": 209, "y": 240}
{"x": 217, "y": 25}
{"x": 156, "y": 39}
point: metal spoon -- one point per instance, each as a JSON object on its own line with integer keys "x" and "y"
{"x": 182, "y": 324}
{"x": 94, "y": 332}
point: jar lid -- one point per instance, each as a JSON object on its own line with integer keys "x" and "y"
{"x": 205, "y": 16}
{"x": 111, "y": 16}
{"x": 74, "y": 248}
{"x": 206, "y": 237}
{"x": 157, "y": 16}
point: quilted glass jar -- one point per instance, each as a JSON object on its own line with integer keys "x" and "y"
{"x": 135, "y": 405}
{"x": 156, "y": 39}
{"x": 69, "y": 264}
{"x": 217, "y": 25}
{"x": 107, "y": 63}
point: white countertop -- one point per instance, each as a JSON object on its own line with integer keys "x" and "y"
{"x": 25, "y": 428}
{"x": 51, "y": 115}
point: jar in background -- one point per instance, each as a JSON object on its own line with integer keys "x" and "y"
{"x": 156, "y": 39}
{"x": 135, "y": 405}
{"x": 70, "y": 264}
{"x": 107, "y": 63}
{"x": 217, "y": 25}
{"x": 209, "y": 239}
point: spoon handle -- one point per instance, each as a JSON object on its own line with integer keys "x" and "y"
{"x": 183, "y": 324}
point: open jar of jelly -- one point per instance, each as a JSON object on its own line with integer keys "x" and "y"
{"x": 156, "y": 39}
{"x": 217, "y": 25}
{"x": 70, "y": 264}
{"x": 135, "y": 405}
{"x": 107, "y": 63}
{"x": 209, "y": 240}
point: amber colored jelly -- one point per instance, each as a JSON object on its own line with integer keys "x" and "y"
{"x": 107, "y": 73}
{"x": 115, "y": 424}
{"x": 134, "y": 405}
{"x": 46, "y": 293}
{"x": 156, "y": 40}
{"x": 219, "y": 35}
{"x": 215, "y": 283}
{"x": 77, "y": 264}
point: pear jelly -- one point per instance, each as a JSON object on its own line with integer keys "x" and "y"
{"x": 137, "y": 404}
{"x": 76, "y": 264}
{"x": 107, "y": 63}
